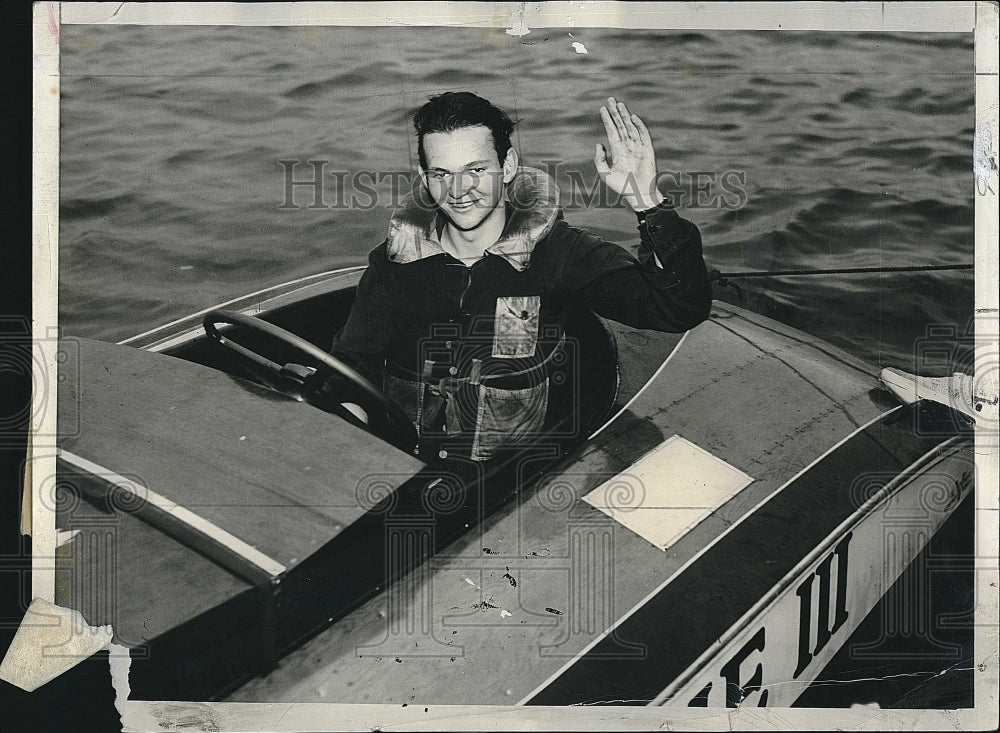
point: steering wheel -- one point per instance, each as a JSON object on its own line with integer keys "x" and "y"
{"x": 313, "y": 384}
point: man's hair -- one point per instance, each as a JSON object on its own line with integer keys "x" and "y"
{"x": 455, "y": 110}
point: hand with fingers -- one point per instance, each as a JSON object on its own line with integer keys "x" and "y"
{"x": 631, "y": 169}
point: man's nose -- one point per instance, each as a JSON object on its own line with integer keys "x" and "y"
{"x": 461, "y": 183}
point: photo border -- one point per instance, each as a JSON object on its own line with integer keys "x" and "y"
{"x": 517, "y": 19}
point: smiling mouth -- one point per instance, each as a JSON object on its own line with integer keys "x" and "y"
{"x": 464, "y": 206}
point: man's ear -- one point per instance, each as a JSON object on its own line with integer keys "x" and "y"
{"x": 510, "y": 165}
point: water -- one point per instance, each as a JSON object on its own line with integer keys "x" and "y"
{"x": 855, "y": 150}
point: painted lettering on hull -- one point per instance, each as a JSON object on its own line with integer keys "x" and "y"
{"x": 786, "y": 643}
{"x": 822, "y": 616}
{"x": 815, "y": 631}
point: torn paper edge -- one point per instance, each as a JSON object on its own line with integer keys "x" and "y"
{"x": 310, "y": 717}
{"x": 120, "y": 662}
{"x": 26, "y": 484}
{"x": 41, "y": 464}
{"x": 741, "y": 16}
{"x": 986, "y": 642}
{"x": 518, "y": 27}
{"x": 760, "y": 16}
{"x": 50, "y": 640}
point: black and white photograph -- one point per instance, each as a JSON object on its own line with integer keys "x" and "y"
{"x": 552, "y": 357}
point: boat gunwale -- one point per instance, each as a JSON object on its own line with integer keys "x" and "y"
{"x": 254, "y": 304}
{"x": 948, "y": 449}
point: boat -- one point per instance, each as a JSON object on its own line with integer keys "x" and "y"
{"x": 707, "y": 525}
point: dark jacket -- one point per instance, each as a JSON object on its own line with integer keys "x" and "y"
{"x": 464, "y": 349}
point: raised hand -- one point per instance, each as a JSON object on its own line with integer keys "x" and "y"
{"x": 631, "y": 168}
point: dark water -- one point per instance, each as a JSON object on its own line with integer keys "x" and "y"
{"x": 855, "y": 150}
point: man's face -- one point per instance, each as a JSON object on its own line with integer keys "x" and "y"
{"x": 463, "y": 175}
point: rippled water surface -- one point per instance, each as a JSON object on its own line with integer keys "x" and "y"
{"x": 855, "y": 150}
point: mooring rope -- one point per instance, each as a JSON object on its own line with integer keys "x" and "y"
{"x": 722, "y": 278}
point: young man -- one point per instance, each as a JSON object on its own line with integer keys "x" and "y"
{"x": 460, "y": 312}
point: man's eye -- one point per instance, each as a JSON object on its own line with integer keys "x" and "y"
{"x": 479, "y": 171}
{"x": 437, "y": 175}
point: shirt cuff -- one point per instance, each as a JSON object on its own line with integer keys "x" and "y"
{"x": 656, "y": 226}
{"x": 641, "y": 215}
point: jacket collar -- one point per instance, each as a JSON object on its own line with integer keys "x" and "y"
{"x": 532, "y": 199}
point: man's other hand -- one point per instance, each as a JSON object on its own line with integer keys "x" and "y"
{"x": 631, "y": 169}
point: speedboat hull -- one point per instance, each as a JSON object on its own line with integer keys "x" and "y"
{"x": 741, "y": 499}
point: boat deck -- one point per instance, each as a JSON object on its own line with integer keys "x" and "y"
{"x": 733, "y": 455}
{"x": 505, "y": 610}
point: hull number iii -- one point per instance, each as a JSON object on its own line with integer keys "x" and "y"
{"x": 779, "y": 647}
{"x": 743, "y": 673}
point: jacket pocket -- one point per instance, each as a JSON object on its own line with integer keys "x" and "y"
{"x": 508, "y": 418}
{"x": 408, "y": 395}
{"x": 515, "y": 326}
